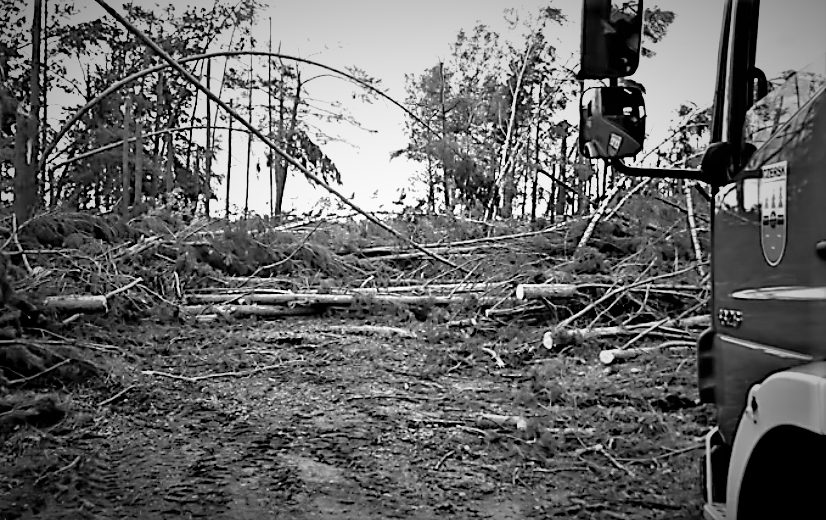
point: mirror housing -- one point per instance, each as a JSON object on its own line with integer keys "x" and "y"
{"x": 612, "y": 122}
{"x": 611, "y": 38}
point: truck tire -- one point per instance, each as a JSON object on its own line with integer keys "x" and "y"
{"x": 783, "y": 478}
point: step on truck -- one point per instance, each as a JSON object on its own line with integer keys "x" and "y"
{"x": 762, "y": 363}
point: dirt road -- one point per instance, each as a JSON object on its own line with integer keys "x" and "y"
{"x": 305, "y": 420}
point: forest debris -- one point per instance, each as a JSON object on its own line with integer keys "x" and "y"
{"x": 240, "y": 311}
{"x": 492, "y": 353}
{"x": 516, "y": 421}
{"x": 598, "y": 215}
{"x": 76, "y": 303}
{"x": 243, "y": 373}
{"x": 389, "y": 250}
{"x": 42, "y": 412}
{"x": 27, "y": 379}
{"x": 545, "y": 290}
{"x": 443, "y": 460}
{"x": 607, "y": 357}
{"x": 599, "y": 448}
{"x": 57, "y": 472}
{"x": 372, "y": 329}
{"x": 256, "y": 281}
{"x": 465, "y": 323}
{"x": 123, "y": 289}
{"x": 141, "y": 246}
{"x": 117, "y": 395}
{"x": 513, "y": 311}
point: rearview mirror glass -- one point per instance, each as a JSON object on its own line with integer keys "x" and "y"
{"x": 612, "y": 122}
{"x": 611, "y": 38}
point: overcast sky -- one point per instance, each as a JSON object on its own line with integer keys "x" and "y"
{"x": 389, "y": 39}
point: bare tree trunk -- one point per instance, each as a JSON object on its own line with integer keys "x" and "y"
{"x": 229, "y": 165}
{"x": 194, "y": 109}
{"x": 271, "y": 162}
{"x": 45, "y": 123}
{"x": 282, "y": 181}
{"x": 535, "y": 188}
{"x": 280, "y": 163}
{"x": 169, "y": 178}
{"x": 445, "y": 176}
{"x": 249, "y": 150}
{"x": 159, "y": 109}
{"x": 124, "y": 191}
{"x": 507, "y": 181}
{"x": 524, "y": 177}
{"x": 138, "y": 164}
{"x": 562, "y": 193}
{"x": 208, "y": 169}
{"x": 431, "y": 186}
{"x": 34, "y": 135}
{"x": 25, "y": 183}
{"x": 159, "y": 105}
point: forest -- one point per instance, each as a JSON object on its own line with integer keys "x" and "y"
{"x": 516, "y": 342}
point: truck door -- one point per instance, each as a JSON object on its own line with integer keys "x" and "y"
{"x": 770, "y": 275}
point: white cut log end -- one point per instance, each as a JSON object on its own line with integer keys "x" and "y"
{"x": 606, "y": 357}
{"x": 548, "y": 340}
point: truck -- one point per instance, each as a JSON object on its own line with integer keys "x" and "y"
{"x": 762, "y": 362}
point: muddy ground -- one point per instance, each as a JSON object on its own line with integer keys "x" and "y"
{"x": 303, "y": 419}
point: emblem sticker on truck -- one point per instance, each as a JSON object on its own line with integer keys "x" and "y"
{"x": 614, "y": 143}
{"x": 773, "y": 202}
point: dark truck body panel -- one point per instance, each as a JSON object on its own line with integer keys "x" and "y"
{"x": 766, "y": 267}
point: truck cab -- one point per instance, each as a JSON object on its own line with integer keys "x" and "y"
{"x": 762, "y": 363}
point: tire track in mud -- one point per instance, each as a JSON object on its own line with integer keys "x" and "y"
{"x": 201, "y": 464}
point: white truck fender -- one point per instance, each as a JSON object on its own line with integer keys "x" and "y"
{"x": 795, "y": 397}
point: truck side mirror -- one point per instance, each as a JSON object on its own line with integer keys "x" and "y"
{"x": 612, "y": 122}
{"x": 611, "y": 38}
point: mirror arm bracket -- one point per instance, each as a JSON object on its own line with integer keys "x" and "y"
{"x": 714, "y": 168}
{"x": 658, "y": 173}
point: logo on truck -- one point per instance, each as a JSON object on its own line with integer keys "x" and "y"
{"x": 773, "y": 203}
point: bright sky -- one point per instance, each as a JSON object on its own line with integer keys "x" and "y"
{"x": 388, "y": 40}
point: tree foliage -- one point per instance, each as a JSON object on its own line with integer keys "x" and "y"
{"x": 497, "y": 108}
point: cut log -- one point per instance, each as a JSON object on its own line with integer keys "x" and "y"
{"x": 241, "y": 311}
{"x": 563, "y": 336}
{"x": 607, "y": 357}
{"x": 433, "y": 288}
{"x": 339, "y": 299}
{"x": 528, "y": 291}
{"x": 76, "y": 303}
{"x": 525, "y": 291}
{"x": 436, "y": 289}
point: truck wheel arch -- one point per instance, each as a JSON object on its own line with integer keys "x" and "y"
{"x": 783, "y": 421}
